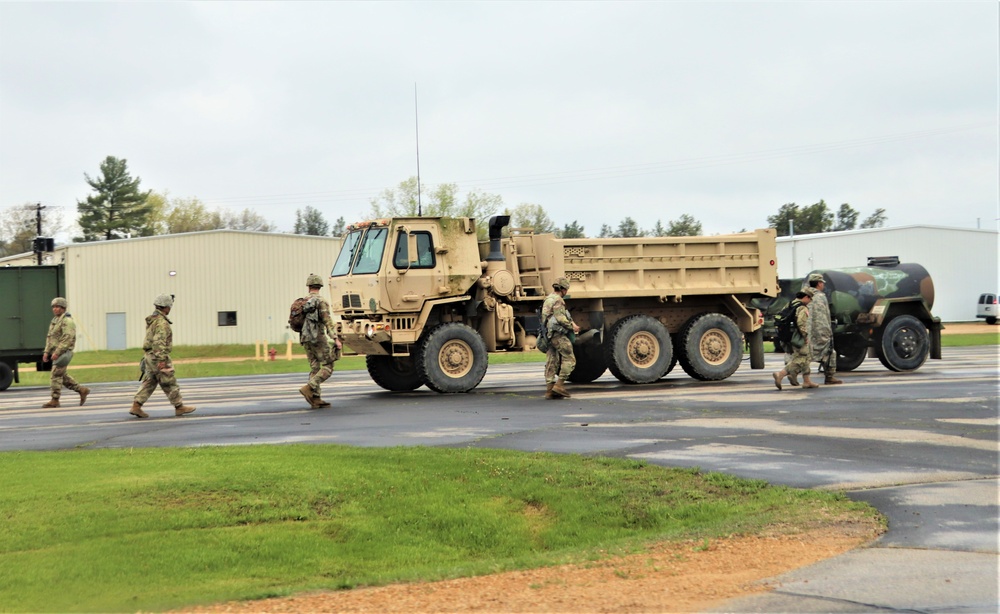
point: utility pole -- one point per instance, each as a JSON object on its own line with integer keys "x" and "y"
{"x": 38, "y": 219}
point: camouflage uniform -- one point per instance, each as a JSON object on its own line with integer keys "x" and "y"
{"x": 60, "y": 340}
{"x": 158, "y": 344}
{"x": 797, "y": 362}
{"x": 560, "y": 360}
{"x": 821, "y": 333}
{"x": 314, "y": 339}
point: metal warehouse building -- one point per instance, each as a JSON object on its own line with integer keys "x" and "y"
{"x": 231, "y": 287}
{"x": 962, "y": 262}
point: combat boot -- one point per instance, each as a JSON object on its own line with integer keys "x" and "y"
{"x": 807, "y": 383}
{"x": 84, "y": 391}
{"x": 307, "y": 392}
{"x": 778, "y": 376}
{"x": 319, "y": 403}
{"x": 182, "y": 409}
{"x": 137, "y": 410}
{"x": 548, "y": 390}
{"x": 832, "y": 380}
{"x": 793, "y": 380}
{"x": 559, "y": 389}
{"x": 52, "y": 403}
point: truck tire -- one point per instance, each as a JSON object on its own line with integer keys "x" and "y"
{"x": 590, "y": 363}
{"x": 991, "y": 320}
{"x": 849, "y": 355}
{"x": 452, "y": 358}
{"x": 755, "y": 341}
{"x": 394, "y": 373}
{"x": 903, "y": 344}
{"x": 6, "y": 376}
{"x": 711, "y": 347}
{"x": 638, "y": 349}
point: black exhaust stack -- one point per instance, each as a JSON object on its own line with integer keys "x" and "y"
{"x": 497, "y": 223}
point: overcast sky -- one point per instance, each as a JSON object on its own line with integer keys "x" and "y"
{"x": 596, "y": 111}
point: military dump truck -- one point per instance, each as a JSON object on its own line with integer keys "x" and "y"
{"x": 425, "y": 301}
{"x": 25, "y": 313}
{"x": 881, "y": 310}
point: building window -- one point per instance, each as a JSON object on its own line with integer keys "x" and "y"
{"x": 227, "y": 318}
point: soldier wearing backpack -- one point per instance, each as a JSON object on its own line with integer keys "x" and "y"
{"x": 797, "y": 362}
{"x": 559, "y": 325}
{"x": 316, "y": 325}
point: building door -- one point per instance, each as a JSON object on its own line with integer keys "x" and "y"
{"x": 116, "y": 331}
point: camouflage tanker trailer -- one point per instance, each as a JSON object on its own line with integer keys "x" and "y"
{"x": 881, "y": 310}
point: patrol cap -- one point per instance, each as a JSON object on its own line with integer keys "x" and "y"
{"x": 59, "y": 302}
{"x": 816, "y": 277}
{"x": 314, "y": 280}
{"x": 561, "y": 284}
{"x": 164, "y": 300}
{"x": 809, "y": 291}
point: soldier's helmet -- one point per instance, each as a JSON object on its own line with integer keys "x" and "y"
{"x": 59, "y": 302}
{"x": 163, "y": 300}
{"x": 561, "y": 284}
{"x": 816, "y": 277}
{"x": 314, "y": 280}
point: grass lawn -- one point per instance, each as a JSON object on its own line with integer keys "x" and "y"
{"x": 152, "y": 529}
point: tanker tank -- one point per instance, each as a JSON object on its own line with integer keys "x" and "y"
{"x": 854, "y": 291}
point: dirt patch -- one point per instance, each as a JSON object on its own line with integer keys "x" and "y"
{"x": 675, "y": 577}
{"x": 969, "y": 328}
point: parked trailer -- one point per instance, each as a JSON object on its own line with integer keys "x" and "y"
{"x": 882, "y": 310}
{"x": 26, "y": 295}
{"x": 426, "y": 302}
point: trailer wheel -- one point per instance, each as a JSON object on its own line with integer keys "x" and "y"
{"x": 6, "y": 376}
{"x": 452, "y": 358}
{"x": 849, "y": 355}
{"x": 755, "y": 341}
{"x": 638, "y": 350}
{"x": 590, "y": 363}
{"x": 711, "y": 347}
{"x": 903, "y": 344}
{"x": 394, "y": 373}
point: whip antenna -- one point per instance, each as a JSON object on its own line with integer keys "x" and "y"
{"x": 416, "y": 118}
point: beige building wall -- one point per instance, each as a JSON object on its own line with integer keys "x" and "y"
{"x": 230, "y": 286}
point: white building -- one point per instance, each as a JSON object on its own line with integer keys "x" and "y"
{"x": 231, "y": 287}
{"x": 962, "y": 262}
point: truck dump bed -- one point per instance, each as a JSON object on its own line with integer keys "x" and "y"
{"x": 737, "y": 264}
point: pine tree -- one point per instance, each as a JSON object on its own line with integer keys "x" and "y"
{"x": 117, "y": 209}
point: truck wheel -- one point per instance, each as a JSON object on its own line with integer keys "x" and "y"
{"x": 756, "y": 342}
{"x": 452, "y": 358}
{"x": 991, "y": 320}
{"x": 638, "y": 350}
{"x": 850, "y": 357}
{"x": 903, "y": 344}
{"x": 711, "y": 347}
{"x": 394, "y": 373}
{"x": 6, "y": 376}
{"x": 590, "y": 363}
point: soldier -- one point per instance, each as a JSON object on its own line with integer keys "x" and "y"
{"x": 821, "y": 331}
{"x": 59, "y": 343}
{"x": 318, "y": 323}
{"x": 560, "y": 360}
{"x": 156, "y": 365}
{"x": 798, "y": 361}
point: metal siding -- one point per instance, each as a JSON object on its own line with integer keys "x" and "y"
{"x": 962, "y": 262}
{"x": 257, "y": 275}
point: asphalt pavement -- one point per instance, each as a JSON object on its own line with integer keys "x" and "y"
{"x": 921, "y": 447}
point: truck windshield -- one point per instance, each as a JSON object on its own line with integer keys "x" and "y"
{"x": 361, "y": 253}
{"x": 346, "y": 257}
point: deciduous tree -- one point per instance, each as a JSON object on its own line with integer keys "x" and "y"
{"x": 444, "y": 200}
{"x": 847, "y": 218}
{"x": 875, "y": 220}
{"x": 531, "y": 216}
{"x": 19, "y": 227}
{"x": 684, "y": 226}
{"x": 572, "y": 231}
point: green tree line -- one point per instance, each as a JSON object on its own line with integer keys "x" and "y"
{"x": 117, "y": 207}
